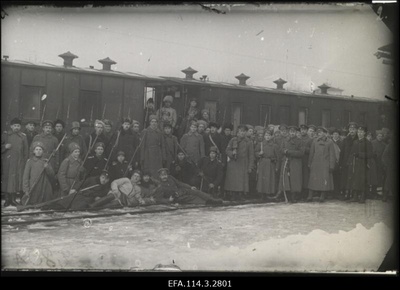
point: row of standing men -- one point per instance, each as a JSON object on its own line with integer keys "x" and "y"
{"x": 295, "y": 161}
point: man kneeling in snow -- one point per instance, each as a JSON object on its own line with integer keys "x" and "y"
{"x": 124, "y": 192}
{"x": 171, "y": 190}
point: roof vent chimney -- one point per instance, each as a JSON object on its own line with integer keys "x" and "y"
{"x": 90, "y": 66}
{"x": 68, "y": 58}
{"x": 324, "y": 89}
{"x": 242, "y": 79}
{"x": 189, "y": 72}
{"x": 5, "y": 57}
{"x": 107, "y": 62}
{"x": 279, "y": 83}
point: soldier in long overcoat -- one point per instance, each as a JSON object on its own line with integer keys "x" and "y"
{"x": 14, "y": 153}
{"x": 359, "y": 164}
{"x": 50, "y": 144}
{"x": 344, "y": 159}
{"x": 378, "y": 147}
{"x": 306, "y": 142}
{"x": 96, "y": 136}
{"x": 240, "y": 152}
{"x": 211, "y": 172}
{"x": 267, "y": 153}
{"x": 119, "y": 167}
{"x": 321, "y": 162}
{"x": 71, "y": 173}
{"x": 337, "y": 142}
{"x": 212, "y": 139}
{"x": 184, "y": 170}
{"x": 38, "y": 177}
{"x": 171, "y": 145}
{"x": 152, "y": 150}
{"x": 193, "y": 143}
{"x": 30, "y": 131}
{"x": 291, "y": 175}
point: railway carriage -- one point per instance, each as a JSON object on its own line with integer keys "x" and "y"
{"x": 46, "y": 91}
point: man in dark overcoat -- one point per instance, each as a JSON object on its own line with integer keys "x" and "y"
{"x": 211, "y": 172}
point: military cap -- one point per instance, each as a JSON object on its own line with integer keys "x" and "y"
{"x": 75, "y": 125}
{"x": 269, "y": 132}
{"x": 320, "y": 128}
{"x": 31, "y": 122}
{"x": 282, "y": 127}
{"x": 127, "y": 120}
{"x": 193, "y": 99}
{"x": 213, "y": 124}
{"x": 135, "y": 122}
{"x": 168, "y": 98}
{"x": 249, "y": 127}
{"x": 228, "y": 126}
{"x": 213, "y": 149}
{"x": 150, "y": 101}
{"x": 99, "y": 122}
{"x": 194, "y": 123}
{"x": 37, "y": 144}
{"x": 352, "y": 124}
{"x": 107, "y": 122}
{"x": 303, "y": 126}
{"x": 120, "y": 153}
{"x": 146, "y": 172}
{"x": 369, "y": 133}
{"x": 312, "y": 127}
{"x": 295, "y": 128}
{"x": 58, "y": 121}
{"x": 48, "y": 123}
{"x": 16, "y": 121}
{"x": 271, "y": 125}
{"x": 205, "y": 110}
{"x": 99, "y": 144}
{"x": 153, "y": 117}
{"x": 335, "y": 130}
{"x": 379, "y": 132}
{"x": 202, "y": 122}
{"x": 363, "y": 128}
{"x": 167, "y": 125}
{"x": 163, "y": 170}
{"x": 243, "y": 127}
{"x": 137, "y": 171}
{"x": 73, "y": 146}
{"x": 259, "y": 129}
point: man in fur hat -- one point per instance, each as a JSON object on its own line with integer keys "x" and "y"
{"x": 74, "y": 136}
{"x": 167, "y": 114}
{"x": 96, "y": 136}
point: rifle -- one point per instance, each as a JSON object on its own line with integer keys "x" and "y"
{"x": 79, "y": 168}
{"x": 69, "y": 104}
{"x": 44, "y": 110}
{"x": 28, "y": 195}
{"x": 134, "y": 153}
{"x": 112, "y": 149}
{"x": 104, "y": 111}
{"x": 283, "y": 178}
{"x": 39, "y": 205}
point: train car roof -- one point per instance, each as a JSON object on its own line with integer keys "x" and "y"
{"x": 160, "y": 80}
{"x": 246, "y": 87}
{"x": 79, "y": 69}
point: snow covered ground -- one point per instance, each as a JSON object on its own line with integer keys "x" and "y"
{"x": 333, "y": 236}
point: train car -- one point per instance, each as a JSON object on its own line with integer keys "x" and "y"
{"x": 45, "y": 91}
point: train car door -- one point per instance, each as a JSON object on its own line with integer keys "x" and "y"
{"x": 237, "y": 115}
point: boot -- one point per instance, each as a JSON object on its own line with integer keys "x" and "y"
{"x": 102, "y": 201}
{"x": 322, "y": 197}
{"x": 13, "y": 199}
{"x": 310, "y": 196}
{"x": 354, "y": 197}
{"x": 7, "y": 199}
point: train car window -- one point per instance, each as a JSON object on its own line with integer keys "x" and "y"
{"x": 211, "y": 106}
{"x": 89, "y": 105}
{"x": 237, "y": 112}
{"x": 284, "y": 115}
{"x": 303, "y": 116}
{"x": 265, "y": 115}
{"x": 31, "y": 106}
{"x": 326, "y": 118}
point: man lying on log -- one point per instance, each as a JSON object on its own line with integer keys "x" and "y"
{"x": 171, "y": 191}
{"x": 124, "y": 192}
{"x": 93, "y": 189}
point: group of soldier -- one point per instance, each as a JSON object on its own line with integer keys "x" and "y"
{"x": 192, "y": 161}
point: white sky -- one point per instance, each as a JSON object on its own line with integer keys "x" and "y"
{"x": 299, "y": 43}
